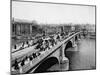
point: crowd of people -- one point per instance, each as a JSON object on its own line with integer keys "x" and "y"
{"x": 44, "y": 43}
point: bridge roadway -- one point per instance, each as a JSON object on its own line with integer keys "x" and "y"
{"x": 41, "y": 57}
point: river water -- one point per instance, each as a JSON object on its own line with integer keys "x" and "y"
{"x": 81, "y": 57}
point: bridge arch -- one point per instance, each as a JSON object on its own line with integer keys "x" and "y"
{"x": 68, "y": 45}
{"x": 46, "y": 64}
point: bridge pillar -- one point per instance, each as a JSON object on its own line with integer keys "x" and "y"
{"x": 63, "y": 59}
{"x": 79, "y": 37}
{"x": 74, "y": 42}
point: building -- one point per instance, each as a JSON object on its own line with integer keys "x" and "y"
{"x": 23, "y": 28}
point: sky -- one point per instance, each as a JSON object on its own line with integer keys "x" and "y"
{"x": 53, "y": 13}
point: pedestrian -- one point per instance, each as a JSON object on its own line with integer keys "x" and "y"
{"x": 47, "y": 44}
{"x": 16, "y": 65}
{"x": 23, "y": 62}
{"x": 27, "y": 42}
{"x": 15, "y": 46}
{"x": 30, "y": 57}
{"x": 58, "y": 38}
{"x": 34, "y": 55}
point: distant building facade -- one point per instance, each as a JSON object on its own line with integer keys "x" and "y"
{"x": 22, "y": 28}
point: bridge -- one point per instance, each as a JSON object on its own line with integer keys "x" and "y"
{"x": 52, "y": 55}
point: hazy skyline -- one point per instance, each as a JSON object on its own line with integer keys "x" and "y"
{"x": 53, "y": 13}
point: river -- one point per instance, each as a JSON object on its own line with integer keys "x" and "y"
{"x": 81, "y": 57}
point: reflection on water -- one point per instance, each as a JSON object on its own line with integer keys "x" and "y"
{"x": 80, "y": 58}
